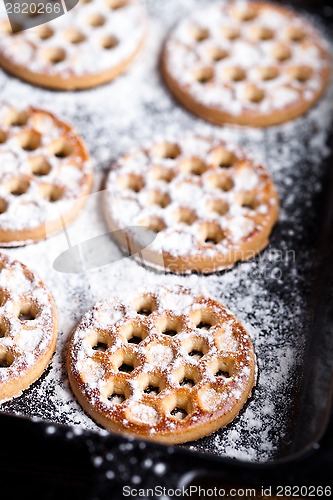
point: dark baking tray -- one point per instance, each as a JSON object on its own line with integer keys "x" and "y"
{"x": 61, "y": 460}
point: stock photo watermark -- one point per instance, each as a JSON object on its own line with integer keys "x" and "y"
{"x": 195, "y": 491}
{"x": 23, "y": 14}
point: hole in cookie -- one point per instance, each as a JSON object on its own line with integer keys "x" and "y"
{"x": 221, "y": 181}
{"x": 186, "y": 376}
{"x": 3, "y": 325}
{"x": 167, "y": 150}
{"x": 203, "y": 325}
{"x": 6, "y": 359}
{"x": 44, "y": 32}
{"x": 221, "y": 368}
{"x": 187, "y": 382}
{"x": 234, "y": 74}
{"x": 262, "y": 33}
{"x": 116, "y": 398}
{"x": 133, "y": 182}
{"x": 295, "y": 34}
{"x": 117, "y": 393}
{"x": 28, "y": 312}
{"x": 3, "y": 206}
{"x": 74, "y": 36}
{"x": 221, "y": 157}
{"x": 169, "y": 326}
{"x": 3, "y": 137}
{"x": 178, "y": 406}
{"x": 244, "y": 14}
{"x": 211, "y": 233}
{"x": 145, "y": 305}
{"x": 202, "y": 319}
{"x": 134, "y": 340}
{"x": 199, "y": 34}
{"x": 195, "y": 354}
{"x": 109, "y": 42}
{"x": 96, "y": 20}
{"x": 195, "y": 347}
{"x": 248, "y": 200}
{"x": 100, "y": 346}
{"x": 230, "y": 32}
{"x": 186, "y": 216}
{"x": 217, "y": 53}
{"x": 117, "y": 4}
{"x": 54, "y": 55}
{"x": 151, "y": 383}
{"x": 127, "y": 367}
{"x": 179, "y": 413}
{"x": 3, "y": 298}
{"x": 253, "y": 93}
{"x": 268, "y": 73}
{"x": 300, "y": 73}
{"x": 99, "y": 340}
{"x": 162, "y": 174}
{"x": 193, "y": 166}
{"x": 134, "y": 332}
{"x": 153, "y": 223}
{"x": 203, "y": 75}
{"x": 18, "y": 186}
{"x": 158, "y": 198}
{"x": 52, "y": 192}
{"x": 218, "y": 206}
{"x": 152, "y": 389}
{"x": 222, "y": 373}
{"x": 16, "y": 118}
{"x": 39, "y": 166}
{"x": 29, "y": 140}
{"x": 61, "y": 148}
{"x": 281, "y": 52}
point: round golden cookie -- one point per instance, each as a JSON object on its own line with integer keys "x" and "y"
{"x": 28, "y": 327}
{"x": 168, "y": 365}
{"x": 86, "y": 47}
{"x": 44, "y": 176}
{"x": 247, "y": 63}
{"x": 209, "y": 205}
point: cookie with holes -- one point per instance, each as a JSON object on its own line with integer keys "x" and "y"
{"x": 169, "y": 364}
{"x": 208, "y": 204}
{"x": 88, "y": 46}
{"x": 246, "y": 63}
{"x": 28, "y": 327}
{"x": 45, "y": 174}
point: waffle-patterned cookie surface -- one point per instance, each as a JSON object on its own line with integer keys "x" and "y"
{"x": 209, "y": 205}
{"x": 45, "y": 174}
{"x": 28, "y": 327}
{"x": 169, "y": 364}
{"x": 88, "y": 46}
{"x": 249, "y": 63}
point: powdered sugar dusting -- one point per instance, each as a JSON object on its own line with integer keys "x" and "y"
{"x": 169, "y": 348}
{"x": 239, "y": 59}
{"x": 46, "y": 169}
{"x": 215, "y": 200}
{"x": 269, "y": 294}
{"x": 105, "y": 38}
{"x": 27, "y": 322}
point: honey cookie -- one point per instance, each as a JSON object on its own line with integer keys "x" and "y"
{"x": 169, "y": 365}
{"x": 45, "y": 174}
{"x": 28, "y": 327}
{"x": 209, "y": 205}
{"x": 247, "y": 63}
{"x": 86, "y": 47}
